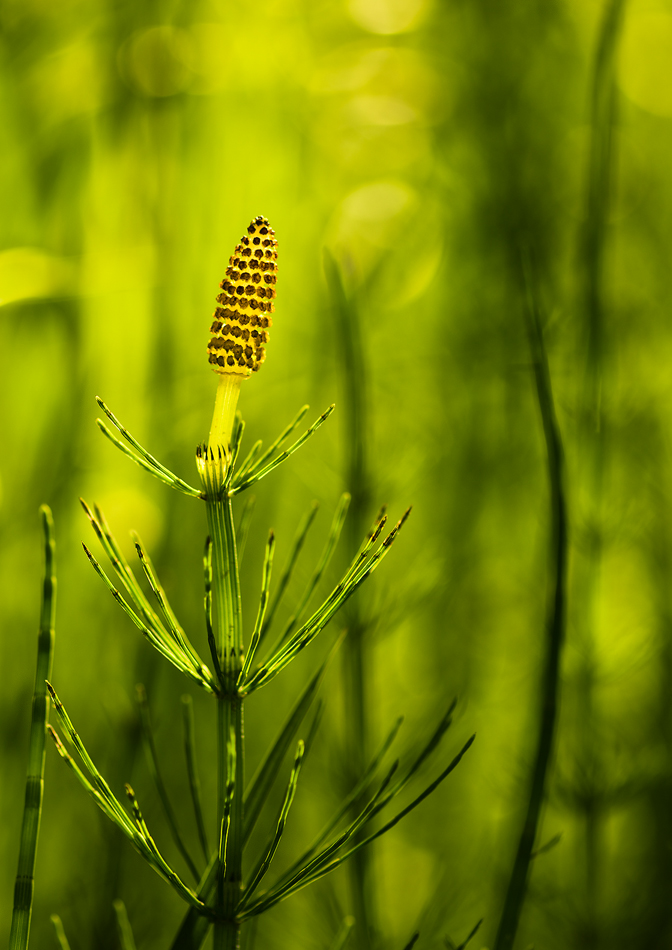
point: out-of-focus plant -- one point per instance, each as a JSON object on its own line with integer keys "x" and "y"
{"x": 229, "y": 893}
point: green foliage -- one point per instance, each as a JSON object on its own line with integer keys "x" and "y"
{"x": 429, "y": 147}
{"x": 223, "y": 896}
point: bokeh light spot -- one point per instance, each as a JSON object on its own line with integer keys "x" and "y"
{"x": 646, "y": 62}
{"x": 387, "y": 16}
{"x": 28, "y": 272}
{"x": 381, "y": 110}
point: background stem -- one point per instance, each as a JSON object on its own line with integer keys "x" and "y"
{"x": 30, "y": 828}
{"x": 555, "y": 627}
{"x": 355, "y": 647}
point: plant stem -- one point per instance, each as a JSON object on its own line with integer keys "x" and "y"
{"x": 23, "y": 889}
{"x": 555, "y": 627}
{"x": 226, "y": 585}
{"x": 593, "y": 446}
{"x": 355, "y": 665}
{"x": 224, "y": 413}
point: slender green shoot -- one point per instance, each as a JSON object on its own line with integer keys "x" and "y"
{"x": 238, "y": 485}
{"x": 444, "y": 724}
{"x": 266, "y": 858}
{"x": 317, "y": 867}
{"x": 160, "y": 639}
{"x": 207, "y": 604}
{"x": 363, "y": 565}
{"x": 555, "y": 631}
{"x": 321, "y": 868}
{"x": 244, "y": 523}
{"x": 172, "y": 624}
{"x": 264, "y": 777}
{"x": 155, "y": 772}
{"x": 126, "y": 938}
{"x": 354, "y": 796}
{"x": 137, "y": 595}
{"x": 250, "y": 459}
{"x": 192, "y": 771}
{"x": 134, "y": 828}
{"x": 282, "y": 438}
{"x": 412, "y": 942}
{"x": 281, "y": 890}
{"x": 141, "y": 456}
{"x": 322, "y": 564}
{"x": 236, "y": 442}
{"x": 32, "y": 812}
{"x": 285, "y": 577}
{"x": 60, "y": 932}
{"x": 451, "y": 946}
{"x": 119, "y": 563}
{"x": 263, "y": 603}
{"x": 194, "y": 927}
{"x": 342, "y": 933}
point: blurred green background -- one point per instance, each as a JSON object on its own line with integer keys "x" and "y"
{"x": 428, "y": 145}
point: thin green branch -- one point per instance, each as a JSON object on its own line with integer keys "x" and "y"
{"x": 250, "y": 459}
{"x": 141, "y": 456}
{"x": 120, "y": 564}
{"x": 354, "y": 796}
{"x": 60, "y": 932}
{"x": 555, "y": 630}
{"x": 192, "y": 771}
{"x": 343, "y": 933}
{"x": 284, "y": 435}
{"x": 263, "y": 602}
{"x": 126, "y": 938}
{"x": 409, "y": 808}
{"x": 280, "y": 891}
{"x": 194, "y": 927}
{"x": 433, "y": 742}
{"x": 322, "y": 564}
{"x": 207, "y": 605}
{"x": 285, "y": 577}
{"x": 471, "y": 934}
{"x": 134, "y": 828}
{"x": 266, "y": 858}
{"x": 155, "y": 633}
{"x": 236, "y": 441}
{"x": 155, "y": 772}
{"x": 174, "y": 627}
{"x": 258, "y": 473}
{"x": 263, "y": 779}
{"x": 322, "y": 864}
{"x": 244, "y": 525}
{"x": 363, "y": 565}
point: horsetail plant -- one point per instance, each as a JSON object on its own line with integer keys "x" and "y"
{"x": 229, "y": 893}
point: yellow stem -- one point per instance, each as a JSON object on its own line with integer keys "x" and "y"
{"x": 226, "y": 401}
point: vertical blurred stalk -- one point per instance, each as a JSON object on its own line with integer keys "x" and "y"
{"x": 555, "y": 629}
{"x": 592, "y": 445}
{"x": 30, "y": 828}
{"x": 353, "y": 378}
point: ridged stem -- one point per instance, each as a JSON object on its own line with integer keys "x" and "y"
{"x": 23, "y": 889}
{"x": 226, "y": 587}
